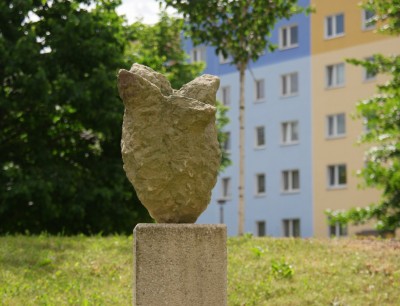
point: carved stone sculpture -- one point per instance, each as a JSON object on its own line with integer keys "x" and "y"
{"x": 169, "y": 142}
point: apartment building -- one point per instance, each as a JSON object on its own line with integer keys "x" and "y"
{"x": 301, "y": 153}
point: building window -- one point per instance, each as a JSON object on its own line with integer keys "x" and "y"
{"x": 335, "y": 75}
{"x": 290, "y": 84}
{"x": 337, "y": 230}
{"x": 337, "y": 176}
{"x": 260, "y": 94}
{"x": 198, "y": 54}
{"x": 260, "y": 183}
{"x": 226, "y": 95}
{"x": 368, "y": 21}
{"x": 226, "y": 188}
{"x": 334, "y": 26}
{"x": 290, "y": 181}
{"x": 261, "y": 229}
{"x": 369, "y": 74}
{"x": 260, "y": 136}
{"x": 288, "y": 37}
{"x": 223, "y": 59}
{"x": 227, "y": 142}
{"x": 291, "y": 227}
{"x": 290, "y": 132}
{"x": 336, "y": 125}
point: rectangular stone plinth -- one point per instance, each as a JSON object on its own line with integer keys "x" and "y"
{"x": 180, "y": 264}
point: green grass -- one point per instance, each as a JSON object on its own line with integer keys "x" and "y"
{"x": 49, "y": 270}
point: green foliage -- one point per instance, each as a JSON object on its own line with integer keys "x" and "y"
{"x": 382, "y": 117}
{"x": 281, "y": 269}
{"x": 258, "y": 251}
{"x": 60, "y": 117}
{"x": 386, "y": 15}
{"x": 159, "y": 47}
{"x": 222, "y": 120}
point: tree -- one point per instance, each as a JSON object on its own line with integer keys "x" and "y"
{"x": 382, "y": 116}
{"x": 241, "y": 30}
{"x": 60, "y": 118}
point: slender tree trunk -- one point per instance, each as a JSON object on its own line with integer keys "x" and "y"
{"x": 241, "y": 209}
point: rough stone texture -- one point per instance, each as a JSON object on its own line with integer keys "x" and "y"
{"x": 180, "y": 264}
{"x": 169, "y": 142}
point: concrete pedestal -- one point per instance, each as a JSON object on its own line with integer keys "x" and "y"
{"x": 180, "y": 264}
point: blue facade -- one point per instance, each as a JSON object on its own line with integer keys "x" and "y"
{"x": 270, "y": 112}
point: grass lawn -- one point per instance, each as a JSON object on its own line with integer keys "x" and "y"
{"x": 50, "y": 270}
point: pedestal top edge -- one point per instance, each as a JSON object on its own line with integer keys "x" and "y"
{"x": 186, "y": 226}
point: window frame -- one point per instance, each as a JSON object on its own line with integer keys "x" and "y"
{"x": 258, "y": 98}
{"x": 257, "y": 184}
{"x": 287, "y": 80}
{"x": 226, "y": 189}
{"x": 335, "y": 126}
{"x": 227, "y": 145}
{"x": 261, "y": 224}
{"x": 364, "y": 21}
{"x": 366, "y": 77}
{"x": 335, "y": 74}
{"x": 334, "y": 26}
{"x": 226, "y": 95}
{"x": 289, "y": 44}
{"x": 257, "y": 145}
{"x": 224, "y": 60}
{"x": 203, "y": 55}
{"x": 338, "y": 230}
{"x": 290, "y": 181}
{"x": 336, "y": 176}
{"x": 289, "y": 231}
{"x": 289, "y": 132}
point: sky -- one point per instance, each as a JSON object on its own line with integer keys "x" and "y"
{"x": 146, "y": 9}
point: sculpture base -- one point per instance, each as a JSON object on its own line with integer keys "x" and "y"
{"x": 180, "y": 264}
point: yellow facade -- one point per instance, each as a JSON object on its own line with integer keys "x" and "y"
{"x": 354, "y": 43}
{"x": 354, "y": 34}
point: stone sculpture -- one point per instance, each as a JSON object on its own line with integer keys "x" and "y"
{"x": 169, "y": 142}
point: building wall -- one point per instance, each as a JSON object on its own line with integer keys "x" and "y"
{"x": 274, "y": 206}
{"x": 310, "y": 107}
{"x": 355, "y": 34}
{"x": 355, "y": 43}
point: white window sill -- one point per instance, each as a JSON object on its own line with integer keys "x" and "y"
{"x": 259, "y": 147}
{"x": 368, "y": 28}
{"x": 291, "y": 95}
{"x": 290, "y": 192}
{"x": 333, "y": 137}
{"x": 337, "y": 187}
{"x": 334, "y": 87}
{"x": 259, "y": 101}
{"x": 281, "y": 48}
{"x": 288, "y": 144}
{"x": 370, "y": 80}
{"x": 260, "y": 195}
{"x": 334, "y": 36}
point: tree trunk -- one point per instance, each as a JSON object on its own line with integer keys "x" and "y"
{"x": 241, "y": 208}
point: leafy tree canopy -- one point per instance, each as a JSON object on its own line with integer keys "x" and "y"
{"x": 60, "y": 117}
